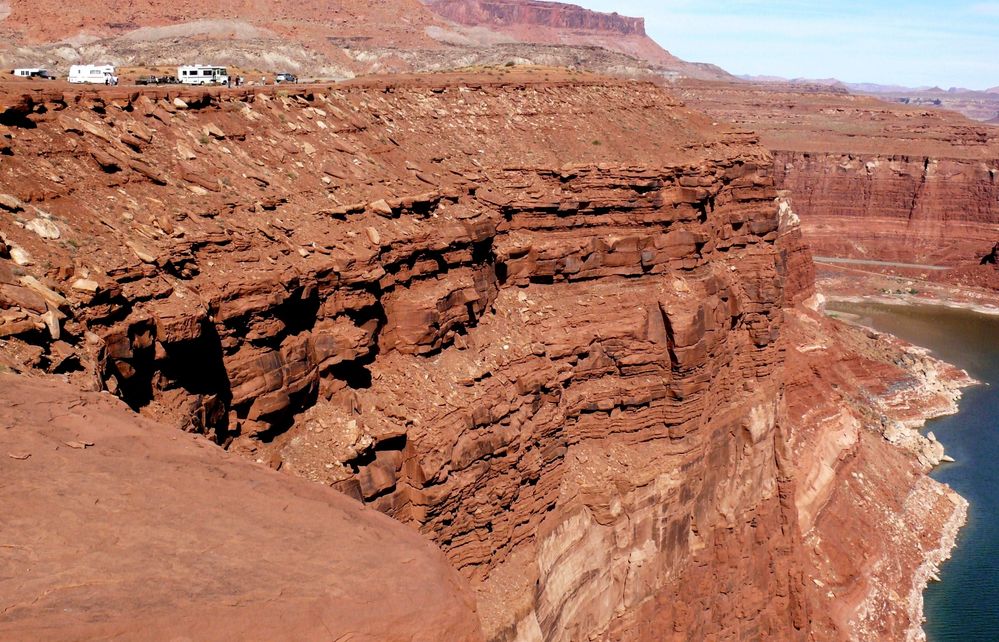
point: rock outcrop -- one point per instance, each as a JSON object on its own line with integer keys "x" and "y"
{"x": 524, "y": 13}
{"x": 556, "y": 23}
{"x": 488, "y": 309}
{"x": 558, "y": 327}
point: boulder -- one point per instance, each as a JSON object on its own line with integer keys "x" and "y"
{"x": 44, "y": 228}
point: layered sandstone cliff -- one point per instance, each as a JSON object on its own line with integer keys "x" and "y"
{"x": 556, "y": 23}
{"x": 875, "y": 527}
{"x": 556, "y": 15}
{"x": 488, "y": 309}
{"x": 557, "y": 327}
{"x": 934, "y": 211}
{"x": 872, "y": 180}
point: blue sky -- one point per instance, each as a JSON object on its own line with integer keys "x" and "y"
{"x": 944, "y": 43}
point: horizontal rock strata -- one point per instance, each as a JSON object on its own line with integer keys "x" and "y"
{"x": 873, "y": 180}
{"x": 540, "y": 322}
{"x": 533, "y": 12}
{"x": 934, "y": 211}
{"x": 557, "y": 327}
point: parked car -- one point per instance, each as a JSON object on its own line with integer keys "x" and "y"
{"x": 285, "y": 78}
{"x": 157, "y": 80}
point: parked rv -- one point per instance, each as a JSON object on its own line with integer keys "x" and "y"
{"x": 203, "y": 75}
{"x": 33, "y": 72}
{"x": 93, "y": 74}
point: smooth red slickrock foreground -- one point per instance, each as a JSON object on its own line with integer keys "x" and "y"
{"x": 559, "y": 327}
{"x": 115, "y": 527}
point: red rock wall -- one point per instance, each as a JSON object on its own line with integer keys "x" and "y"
{"x": 922, "y": 210}
{"x": 796, "y": 267}
{"x": 547, "y": 324}
{"x": 562, "y": 25}
{"x": 874, "y": 525}
{"x": 871, "y": 179}
{"x": 531, "y": 12}
{"x": 539, "y": 322}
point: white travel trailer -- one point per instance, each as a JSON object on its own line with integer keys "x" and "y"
{"x": 202, "y": 75}
{"x": 33, "y": 72}
{"x": 93, "y": 74}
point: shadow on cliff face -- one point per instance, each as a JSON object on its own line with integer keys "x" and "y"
{"x": 992, "y": 258}
{"x": 191, "y": 373}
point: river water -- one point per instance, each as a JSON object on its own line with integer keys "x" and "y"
{"x": 965, "y": 604}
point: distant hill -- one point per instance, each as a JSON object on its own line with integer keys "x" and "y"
{"x": 555, "y": 23}
{"x": 978, "y": 105}
{"x": 332, "y": 38}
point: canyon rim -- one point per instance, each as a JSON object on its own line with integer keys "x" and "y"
{"x": 515, "y": 332}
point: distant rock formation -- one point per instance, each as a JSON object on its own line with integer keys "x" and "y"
{"x": 519, "y": 13}
{"x": 537, "y": 21}
{"x": 872, "y": 179}
{"x": 333, "y": 38}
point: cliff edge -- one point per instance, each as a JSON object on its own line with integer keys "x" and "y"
{"x": 558, "y": 326}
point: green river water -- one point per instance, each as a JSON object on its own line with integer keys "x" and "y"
{"x": 965, "y": 604}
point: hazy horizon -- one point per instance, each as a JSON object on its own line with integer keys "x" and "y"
{"x": 919, "y": 43}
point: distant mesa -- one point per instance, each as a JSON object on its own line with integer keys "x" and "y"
{"x": 555, "y": 23}
{"x": 519, "y": 13}
{"x": 981, "y": 105}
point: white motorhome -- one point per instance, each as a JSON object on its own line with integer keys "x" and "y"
{"x": 32, "y": 72}
{"x": 93, "y": 74}
{"x": 202, "y": 75}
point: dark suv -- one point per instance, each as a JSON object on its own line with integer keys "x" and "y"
{"x": 156, "y": 80}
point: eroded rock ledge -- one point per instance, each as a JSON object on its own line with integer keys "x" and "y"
{"x": 544, "y": 323}
{"x": 560, "y": 371}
